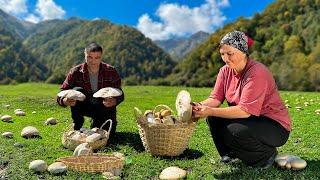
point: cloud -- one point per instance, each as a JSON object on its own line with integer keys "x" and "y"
{"x": 32, "y": 18}
{"x": 48, "y": 9}
{"x": 45, "y": 10}
{"x": 181, "y": 20}
{"x": 15, "y": 7}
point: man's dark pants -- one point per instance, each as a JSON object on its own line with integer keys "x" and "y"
{"x": 94, "y": 108}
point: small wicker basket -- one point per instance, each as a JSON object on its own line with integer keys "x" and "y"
{"x": 163, "y": 139}
{"x": 92, "y": 163}
{"x": 71, "y": 144}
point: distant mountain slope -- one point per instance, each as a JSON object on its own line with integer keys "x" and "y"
{"x": 17, "y": 27}
{"x": 60, "y": 43}
{"x": 17, "y": 64}
{"x": 287, "y": 40}
{"x": 179, "y": 47}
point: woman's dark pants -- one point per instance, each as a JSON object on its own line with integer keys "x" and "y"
{"x": 253, "y": 140}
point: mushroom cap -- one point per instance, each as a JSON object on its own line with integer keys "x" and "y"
{"x": 29, "y": 131}
{"x": 38, "y": 166}
{"x": 108, "y": 92}
{"x": 183, "y": 106}
{"x": 72, "y": 94}
{"x": 57, "y": 168}
{"x": 173, "y": 173}
{"x": 6, "y": 118}
{"x": 298, "y": 164}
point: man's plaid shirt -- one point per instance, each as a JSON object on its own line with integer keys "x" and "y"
{"x": 79, "y": 77}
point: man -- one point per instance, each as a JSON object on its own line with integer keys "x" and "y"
{"x": 88, "y": 78}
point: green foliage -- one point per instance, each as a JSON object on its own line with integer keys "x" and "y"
{"x": 17, "y": 64}
{"x": 60, "y": 45}
{"x": 287, "y": 40}
{"x": 201, "y": 159}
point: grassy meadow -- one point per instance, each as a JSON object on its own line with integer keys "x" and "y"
{"x": 200, "y": 159}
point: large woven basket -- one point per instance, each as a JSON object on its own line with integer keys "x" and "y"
{"x": 71, "y": 144}
{"x": 92, "y": 163}
{"x": 165, "y": 140}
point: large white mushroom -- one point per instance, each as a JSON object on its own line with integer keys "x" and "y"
{"x": 290, "y": 162}
{"x": 57, "y": 168}
{"x": 72, "y": 94}
{"x": 7, "y": 134}
{"x": 29, "y": 132}
{"x": 82, "y": 149}
{"x": 108, "y": 92}
{"x": 20, "y": 113}
{"x": 173, "y": 173}
{"x": 51, "y": 121}
{"x": 38, "y": 166}
{"x": 183, "y": 106}
{"x": 6, "y": 118}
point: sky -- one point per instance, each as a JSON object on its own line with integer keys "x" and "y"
{"x": 156, "y": 19}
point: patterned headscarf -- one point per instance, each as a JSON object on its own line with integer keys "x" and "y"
{"x": 236, "y": 39}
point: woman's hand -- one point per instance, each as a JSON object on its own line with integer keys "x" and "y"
{"x": 69, "y": 102}
{"x": 109, "y": 102}
{"x": 201, "y": 111}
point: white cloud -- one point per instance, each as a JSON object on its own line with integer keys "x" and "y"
{"x": 15, "y": 7}
{"x": 45, "y": 10}
{"x": 48, "y": 9}
{"x": 32, "y": 18}
{"x": 180, "y": 20}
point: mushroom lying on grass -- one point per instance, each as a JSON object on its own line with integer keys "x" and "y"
{"x": 290, "y": 162}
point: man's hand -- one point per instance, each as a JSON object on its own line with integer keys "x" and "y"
{"x": 69, "y": 102}
{"x": 109, "y": 102}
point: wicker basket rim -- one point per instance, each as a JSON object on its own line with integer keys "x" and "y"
{"x": 90, "y": 156}
{"x": 180, "y": 125}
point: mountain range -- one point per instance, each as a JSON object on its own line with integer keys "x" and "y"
{"x": 286, "y": 39}
{"x": 178, "y": 48}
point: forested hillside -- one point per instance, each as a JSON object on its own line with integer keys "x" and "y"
{"x": 59, "y": 44}
{"x": 286, "y": 39}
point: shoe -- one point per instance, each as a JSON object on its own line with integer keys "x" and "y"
{"x": 228, "y": 158}
{"x": 269, "y": 162}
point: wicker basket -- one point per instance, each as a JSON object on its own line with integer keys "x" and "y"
{"x": 165, "y": 140}
{"x": 92, "y": 163}
{"x": 71, "y": 144}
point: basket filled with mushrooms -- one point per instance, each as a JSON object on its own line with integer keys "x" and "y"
{"x": 162, "y": 132}
{"x": 95, "y": 137}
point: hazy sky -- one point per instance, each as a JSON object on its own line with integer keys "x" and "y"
{"x": 157, "y": 19}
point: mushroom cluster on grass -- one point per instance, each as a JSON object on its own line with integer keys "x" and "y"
{"x": 290, "y": 162}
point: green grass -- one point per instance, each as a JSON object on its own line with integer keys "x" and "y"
{"x": 200, "y": 159}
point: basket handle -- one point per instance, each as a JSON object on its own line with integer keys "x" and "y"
{"x": 163, "y": 107}
{"x": 109, "y": 120}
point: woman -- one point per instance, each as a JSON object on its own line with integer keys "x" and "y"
{"x": 256, "y": 121}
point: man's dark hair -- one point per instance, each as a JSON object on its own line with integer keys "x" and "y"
{"x": 93, "y": 47}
